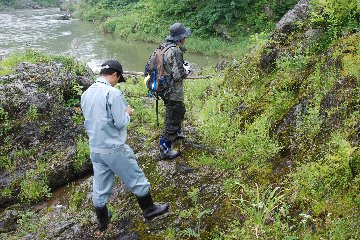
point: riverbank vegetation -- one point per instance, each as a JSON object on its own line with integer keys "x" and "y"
{"x": 225, "y": 28}
{"x": 272, "y": 149}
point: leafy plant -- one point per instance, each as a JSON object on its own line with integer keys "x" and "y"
{"x": 255, "y": 143}
{"x": 73, "y": 102}
{"x": 6, "y": 192}
{"x": 262, "y": 208}
{"x": 76, "y": 88}
{"x": 82, "y": 154}
{"x": 78, "y": 118}
{"x": 5, "y": 125}
{"x": 6, "y": 163}
{"x": 310, "y": 124}
{"x": 76, "y": 197}
{"x": 332, "y": 14}
{"x": 258, "y": 205}
{"x": 194, "y": 212}
{"x": 319, "y": 181}
{"x": 32, "y": 113}
{"x": 34, "y": 185}
{"x": 27, "y": 223}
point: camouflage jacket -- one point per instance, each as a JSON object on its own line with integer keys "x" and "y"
{"x": 174, "y": 69}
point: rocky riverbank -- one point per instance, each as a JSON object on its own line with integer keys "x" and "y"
{"x": 271, "y": 150}
{"x": 40, "y": 136}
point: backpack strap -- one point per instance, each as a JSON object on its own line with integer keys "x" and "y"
{"x": 157, "y": 109}
{"x": 160, "y": 60}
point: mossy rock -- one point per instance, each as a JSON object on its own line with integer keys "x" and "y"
{"x": 39, "y": 137}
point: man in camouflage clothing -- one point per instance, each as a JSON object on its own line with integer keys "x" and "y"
{"x": 174, "y": 99}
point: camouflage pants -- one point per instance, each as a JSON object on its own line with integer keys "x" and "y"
{"x": 174, "y": 116}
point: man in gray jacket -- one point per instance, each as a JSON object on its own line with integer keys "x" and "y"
{"x": 107, "y": 114}
{"x": 174, "y": 99}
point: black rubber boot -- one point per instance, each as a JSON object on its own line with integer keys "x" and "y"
{"x": 103, "y": 218}
{"x": 150, "y": 210}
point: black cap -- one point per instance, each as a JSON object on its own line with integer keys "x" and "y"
{"x": 114, "y": 64}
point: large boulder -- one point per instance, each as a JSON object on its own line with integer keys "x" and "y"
{"x": 40, "y": 135}
{"x": 279, "y": 39}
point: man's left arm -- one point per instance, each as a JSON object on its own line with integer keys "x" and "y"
{"x": 178, "y": 70}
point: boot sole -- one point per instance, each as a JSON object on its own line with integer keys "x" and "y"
{"x": 158, "y": 214}
{"x": 179, "y": 138}
{"x": 163, "y": 157}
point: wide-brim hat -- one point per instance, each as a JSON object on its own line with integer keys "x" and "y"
{"x": 178, "y": 32}
{"x": 114, "y": 64}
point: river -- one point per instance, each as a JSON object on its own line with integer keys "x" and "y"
{"x": 41, "y": 30}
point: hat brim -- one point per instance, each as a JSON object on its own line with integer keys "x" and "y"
{"x": 121, "y": 79}
{"x": 182, "y": 36}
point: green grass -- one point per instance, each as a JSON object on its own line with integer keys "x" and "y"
{"x": 31, "y": 56}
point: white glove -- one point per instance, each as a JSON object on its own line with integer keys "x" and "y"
{"x": 187, "y": 67}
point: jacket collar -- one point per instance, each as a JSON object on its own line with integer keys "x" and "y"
{"x": 181, "y": 47}
{"x": 103, "y": 80}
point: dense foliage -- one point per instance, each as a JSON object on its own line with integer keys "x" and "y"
{"x": 22, "y": 4}
{"x": 215, "y": 20}
{"x": 227, "y": 18}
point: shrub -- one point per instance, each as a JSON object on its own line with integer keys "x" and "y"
{"x": 34, "y": 185}
{"x": 82, "y": 154}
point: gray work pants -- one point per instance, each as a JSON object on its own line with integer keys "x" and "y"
{"x": 121, "y": 163}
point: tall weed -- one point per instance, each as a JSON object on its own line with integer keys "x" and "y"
{"x": 254, "y": 144}
{"x": 264, "y": 210}
{"x": 196, "y": 213}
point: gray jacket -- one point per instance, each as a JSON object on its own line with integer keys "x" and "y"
{"x": 104, "y": 109}
{"x": 174, "y": 69}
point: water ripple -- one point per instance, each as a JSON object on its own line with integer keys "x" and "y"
{"x": 41, "y": 30}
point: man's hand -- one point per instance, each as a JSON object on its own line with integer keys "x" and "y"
{"x": 129, "y": 110}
